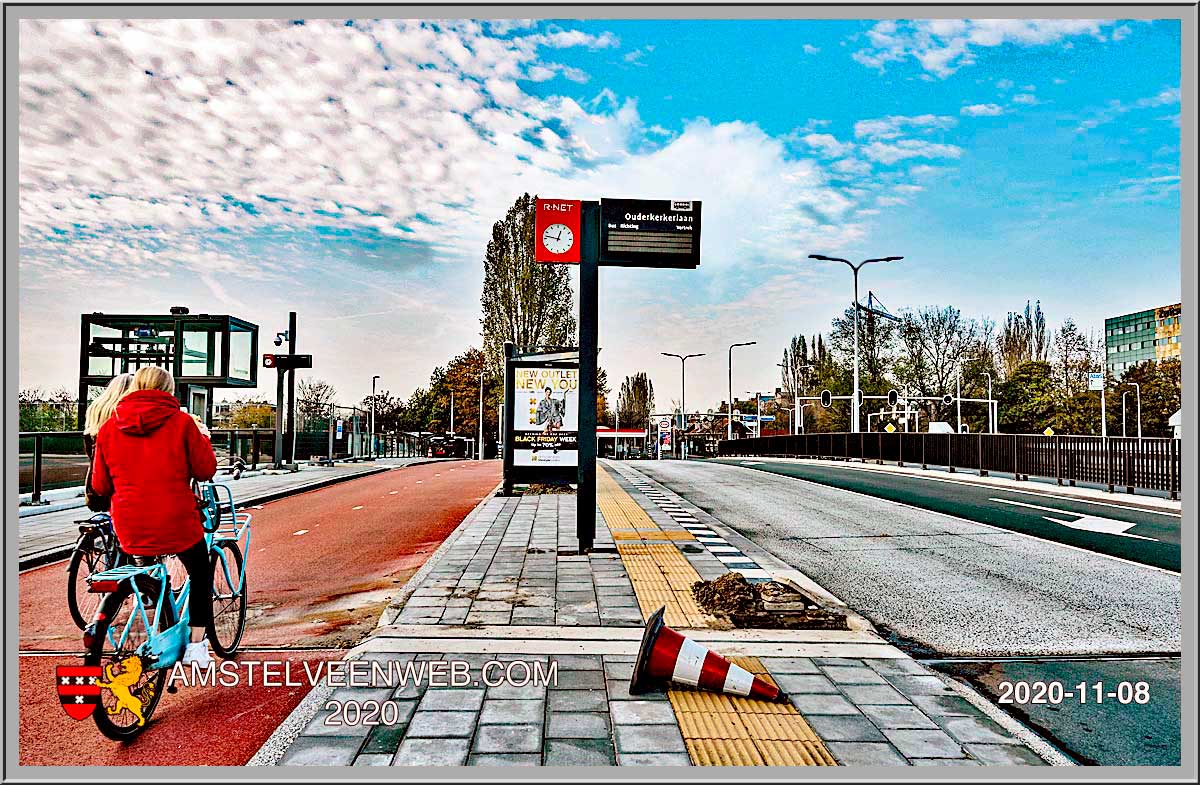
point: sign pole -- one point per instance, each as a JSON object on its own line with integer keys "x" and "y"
{"x": 589, "y": 285}
{"x": 279, "y": 415}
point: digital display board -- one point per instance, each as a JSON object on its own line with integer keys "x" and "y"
{"x": 649, "y": 233}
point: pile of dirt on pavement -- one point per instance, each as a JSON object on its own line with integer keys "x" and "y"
{"x": 729, "y": 594}
{"x": 542, "y": 489}
{"x": 770, "y": 605}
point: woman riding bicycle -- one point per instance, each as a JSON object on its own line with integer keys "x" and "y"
{"x": 146, "y": 457}
{"x": 98, "y": 413}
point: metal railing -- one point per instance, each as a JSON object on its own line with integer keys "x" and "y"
{"x": 49, "y": 460}
{"x": 1151, "y": 464}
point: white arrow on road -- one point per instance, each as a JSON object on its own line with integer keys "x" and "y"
{"x": 1088, "y": 523}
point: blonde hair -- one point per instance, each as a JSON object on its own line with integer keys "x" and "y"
{"x": 151, "y": 377}
{"x": 106, "y": 403}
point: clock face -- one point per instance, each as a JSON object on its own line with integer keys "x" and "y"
{"x": 558, "y": 238}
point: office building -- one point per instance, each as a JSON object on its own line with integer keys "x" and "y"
{"x": 1134, "y": 338}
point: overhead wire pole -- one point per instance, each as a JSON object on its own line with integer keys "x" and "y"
{"x": 854, "y": 402}
{"x": 374, "y": 379}
{"x": 479, "y": 447}
{"x": 683, "y": 358}
{"x": 589, "y": 297}
{"x": 729, "y": 417}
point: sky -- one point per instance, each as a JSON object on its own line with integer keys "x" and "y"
{"x": 351, "y": 171}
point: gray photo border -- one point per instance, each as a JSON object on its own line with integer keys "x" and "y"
{"x": 1186, "y": 13}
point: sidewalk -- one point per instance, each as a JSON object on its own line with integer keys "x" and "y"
{"x": 507, "y": 587}
{"x": 50, "y": 536}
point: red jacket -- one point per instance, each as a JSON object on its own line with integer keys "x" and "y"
{"x": 147, "y": 454}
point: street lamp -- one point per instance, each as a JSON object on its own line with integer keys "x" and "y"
{"x": 854, "y": 426}
{"x": 1138, "y": 388}
{"x": 373, "y": 380}
{"x": 479, "y": 447}
{"x": 683, "y": 358}
{"x": 729, "y": 419}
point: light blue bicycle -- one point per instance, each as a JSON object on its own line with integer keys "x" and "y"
{"x": 141, "y": 627}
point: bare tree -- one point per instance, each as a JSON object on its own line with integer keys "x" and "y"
{"x": 525, "y": 302}
{"x": 797, "y": 367}
{"x": 314, "y": 397}
{"x": 933, "y": 341}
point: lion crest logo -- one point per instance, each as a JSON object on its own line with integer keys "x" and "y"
{"x": 119, "y": 679}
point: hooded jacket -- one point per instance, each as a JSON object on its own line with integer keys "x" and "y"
{"x": 147, "y": 455}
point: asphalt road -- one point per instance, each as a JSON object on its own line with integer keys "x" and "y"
{"x": 941, "y": 585}
{"x": 321, "y": 567}
{"x": 1027, "y": 513}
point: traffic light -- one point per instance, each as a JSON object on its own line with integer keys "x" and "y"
{"x": 826, "y": 398}
{"x": 860, "y": 397}
{"x": 893, "y": 398}
{"x": 947, "y": 399}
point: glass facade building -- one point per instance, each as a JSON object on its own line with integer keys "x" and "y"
{"x": 1134, "y": 338}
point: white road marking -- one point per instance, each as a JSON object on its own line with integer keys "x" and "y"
{"x": 1087, "y": 523}
{"x": 393, "y": 493}
{"x": 357, "y": 507}
{"x": 752, "y": 463}
{"x": 988, "y": 525}
{"x": 420, "y": 481}
{"x": 302, "y": 531}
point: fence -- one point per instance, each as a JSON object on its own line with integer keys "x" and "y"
{"x": 1149, "y": 463}
{"x": 56, "y": 459}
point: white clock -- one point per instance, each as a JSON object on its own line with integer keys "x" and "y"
{"x": 558, "y": 238}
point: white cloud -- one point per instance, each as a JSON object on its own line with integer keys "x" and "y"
{"x": 1168, "y": 96}
{"x": 894, "y": 125}
{"x": 899, "y": 150}
{"x": 829, "y": 145}
{"x": 1004, "y": 84}
{"x": 943, "y": 46}
{"x": 982, "y": 110}
{"x": 809, "y": 49}
{"x": 1027, "y": 99}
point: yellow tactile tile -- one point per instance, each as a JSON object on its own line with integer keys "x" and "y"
{"x": 724, "y": 752}
{"x": 683, "y": 700}
{"x": 712, "y": 725}
{"x": 778, "y": 727}
{"x": 794, "y": 753}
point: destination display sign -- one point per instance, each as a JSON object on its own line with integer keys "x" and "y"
{"x": 649, "y": 233}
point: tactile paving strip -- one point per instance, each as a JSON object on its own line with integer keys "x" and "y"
{"x": 726, "y": 730}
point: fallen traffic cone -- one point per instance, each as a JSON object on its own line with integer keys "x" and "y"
{"x": 667, "y": 656}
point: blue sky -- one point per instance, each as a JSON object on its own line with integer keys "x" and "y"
{"x": 351, "y": 172}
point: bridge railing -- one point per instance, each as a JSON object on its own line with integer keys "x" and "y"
{"x": 1150, "y": 464}
{"x": 49, "y": 460}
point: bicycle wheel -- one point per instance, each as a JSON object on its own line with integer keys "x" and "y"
{"x": 125, "y": 710}
{"x": 229, "y": 599}
{"x": 90, "y": 555}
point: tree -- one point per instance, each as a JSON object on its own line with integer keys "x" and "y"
{"x": 797, "y": 368}
{"x": 876, "y": 347}
{"x": 252, "y": 414}
{"x": 933, "y": 343}
{"x": 603, "y": 413}
{"x": 314, "y": 400}
{"x": 525, "y": 302}
{"x": 1023, "y": 338}
{"x": 1028, "y": 403}
{"x": 635, "y": 401}
{"x": 1162, "y": 395}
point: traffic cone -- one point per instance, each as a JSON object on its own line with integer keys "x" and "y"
{"x": 667, "y": 656}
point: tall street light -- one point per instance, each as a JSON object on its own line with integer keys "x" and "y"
{"x": 729, "y": 419}
{"x": 854, "y": 426}
{"x": 374, "y": 379}
{"x": 479, "y": 447}
{"x": 683, "y": 358}
{"x": 1138, "y": 388}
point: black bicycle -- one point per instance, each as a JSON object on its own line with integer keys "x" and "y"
{"x": 96, "y": 550}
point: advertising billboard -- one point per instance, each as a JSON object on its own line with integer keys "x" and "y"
{"x": 546, "y": 417}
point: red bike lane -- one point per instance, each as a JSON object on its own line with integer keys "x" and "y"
{"x": 321, "y": 567}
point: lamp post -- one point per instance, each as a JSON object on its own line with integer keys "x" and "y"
{"x": 729, "y": 419}
{"x": 854, "y": 403}
{"x": 683, "y": 358}
{"x": 800, "y": 413}
{"x": 373, "y": 380}
{"x": 1138, "y": 388}
{"x": 479, "y": 446}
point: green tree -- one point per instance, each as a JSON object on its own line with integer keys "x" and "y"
{"x": 635, "y": 401}
{"x": 1162, "y": 395}
{"x": 604, "y": 415}
{"x": 1028, "y": 399}
{"x": 525, "y": 302}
